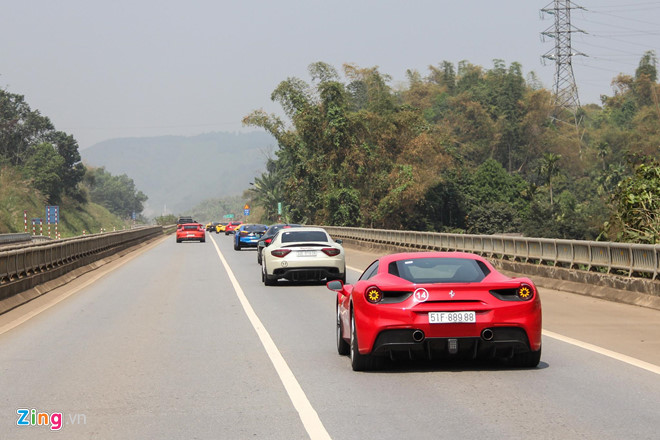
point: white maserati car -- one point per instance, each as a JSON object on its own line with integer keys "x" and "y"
{"x": 303, "y": 254}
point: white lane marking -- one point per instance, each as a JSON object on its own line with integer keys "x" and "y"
{"x": 94, "y": 278}
{"x": 596, "y": 349}
{"x": 308, "y": 415}
{"x": 605, "y": 352}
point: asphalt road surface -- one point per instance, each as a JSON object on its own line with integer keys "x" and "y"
{"x": 183, "y": 341}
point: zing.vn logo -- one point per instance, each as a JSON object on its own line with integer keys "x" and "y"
{"x": 27, "y": 417}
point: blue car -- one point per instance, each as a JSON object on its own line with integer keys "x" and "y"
{"x": 248, "y": 235}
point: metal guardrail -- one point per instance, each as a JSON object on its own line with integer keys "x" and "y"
{"x": 15, "y": 238}
{"x": 590, "y": 255}
{"x": 31, "y": 260}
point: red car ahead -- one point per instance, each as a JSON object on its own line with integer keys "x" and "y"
{"x": 190, "y": 232}
{"x": 437, "y": 305}
{"x": 232, "y": 226}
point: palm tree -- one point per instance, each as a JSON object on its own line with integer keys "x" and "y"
{"x": 549, "y": 169}
{"x": 266, "y": 192}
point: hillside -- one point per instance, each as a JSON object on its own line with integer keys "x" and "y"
{"x": 178, "y": 172}
{"x": 16, "y": 196}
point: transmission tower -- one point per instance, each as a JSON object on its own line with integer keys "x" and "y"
{"x": 566, "y": 92}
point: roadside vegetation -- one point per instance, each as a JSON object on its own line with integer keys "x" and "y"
{"x": 41, "y": 166}
{"x": 464, "y": 149}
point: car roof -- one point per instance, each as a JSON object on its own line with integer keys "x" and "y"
{"x": 307, "y": 228}
{"x": 412, "y": 255}
{"x": 302, "y": 230}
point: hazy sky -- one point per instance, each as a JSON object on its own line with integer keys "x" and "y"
{"x": 101, "y": 70}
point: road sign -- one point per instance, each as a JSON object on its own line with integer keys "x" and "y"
{"x": 53, "y": 214}
{"x": 246, "y": 212}
{"x": 228, "y": 216}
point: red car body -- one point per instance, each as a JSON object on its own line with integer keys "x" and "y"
{"x": 232, "y": 226}
{"x": 190, "y": 232}
{"x": 437, "y": 305}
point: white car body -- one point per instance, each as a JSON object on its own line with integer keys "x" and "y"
{"x": 303, "y": 254}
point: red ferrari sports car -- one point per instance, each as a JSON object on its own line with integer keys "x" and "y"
{"x": 437, "y": 305}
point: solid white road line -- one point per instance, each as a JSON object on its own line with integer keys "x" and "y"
{"x": 308, "y": 415}
{"x": 605, "y": 352}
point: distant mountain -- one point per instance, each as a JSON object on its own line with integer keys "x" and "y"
{"x": 178, "y": 172}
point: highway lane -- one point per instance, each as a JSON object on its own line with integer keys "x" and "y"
{"x": 162, "y": 347}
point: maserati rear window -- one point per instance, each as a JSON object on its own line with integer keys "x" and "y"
{"x": 297, "y": 236}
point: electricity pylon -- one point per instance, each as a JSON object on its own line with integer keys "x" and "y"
{"x": 566, "y": 91}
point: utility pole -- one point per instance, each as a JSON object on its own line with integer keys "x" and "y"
{"x": 566, "y": 91}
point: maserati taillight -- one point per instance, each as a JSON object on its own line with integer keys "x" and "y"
{"x": 331, "y": 252}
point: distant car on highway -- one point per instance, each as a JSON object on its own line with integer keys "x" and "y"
{"x": 268, "y": 237}
{"x": 184, "y": 219}
{"x": 303, "y": 254}
{"x": 210, "y": 226}
{"x": 247, "y": 235}
{"x": 190, "y": 232}
{"x": 231, "y": 226}
{"x": 220, "y": 227}
{"x": 437, "y": 305}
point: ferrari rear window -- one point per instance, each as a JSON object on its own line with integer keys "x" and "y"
{"x": 438, "y": 270}
{"x": 190, "y": 227}
{"x": 296, "y": 236}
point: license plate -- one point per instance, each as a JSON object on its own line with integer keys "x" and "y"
{"x": 462, "y": 317}
{"x": 306, "y": 253}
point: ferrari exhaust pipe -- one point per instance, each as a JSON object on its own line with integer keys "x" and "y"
{"x": 418, "y": 336}
{"x": 487, "y": 334}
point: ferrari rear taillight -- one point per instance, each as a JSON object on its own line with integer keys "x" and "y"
{"x": 331, "y": 252}
{"x": 373, "y": 295}
{"x": 525, "y": 292}
{"x": 280, "y": 253}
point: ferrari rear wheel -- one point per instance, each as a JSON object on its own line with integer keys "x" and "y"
{"x": 530, "y": 359}
{"x": 343, "y": 347}
{"x": 359, "y": 362}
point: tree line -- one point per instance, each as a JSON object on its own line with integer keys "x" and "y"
{"x": 50, "y": 160}
{"x": 464, "y": 149}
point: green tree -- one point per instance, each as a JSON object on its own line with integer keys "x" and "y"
{"x": 20, "y": 128}
{"x": 44, "y": 167}
{"x": 117, "y": 193}
{"x": 637, "y": 202}
{"x": 549, "y": 168}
